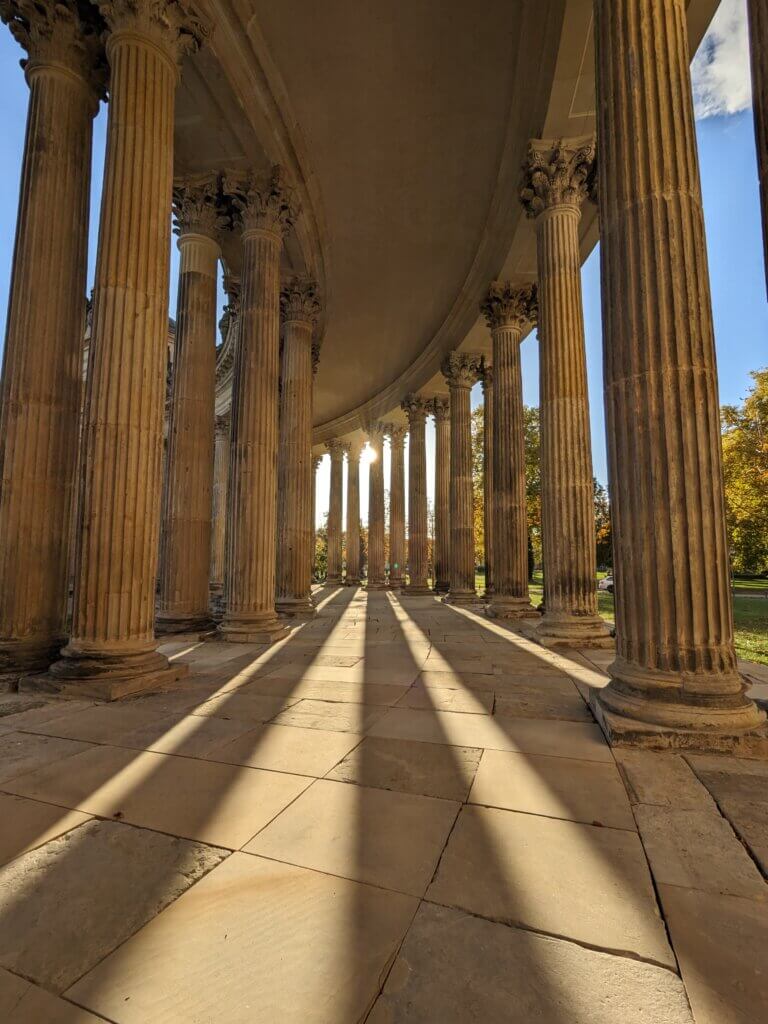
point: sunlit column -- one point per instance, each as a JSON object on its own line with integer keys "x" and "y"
{"x": 397, "y": 437}
{"x": 185, "y": 551}
{"x": 555, "y": 187}
{"x": 336, "y": 449}
{"x": 300, "y": 308}
{"x": 353, "y": 512}
{"x": 509, "y": 312}
{"x": 487, "y": 381}
{"x": 441, "y": 410}
{"x": 676, "y": 664}
{"x": 417, "y": 409}
{"x": 376, "y": 568}
{"x": 264, "y": 208}
{"x": 111, "y": 650}
{"x": 758, "y": 40}
{"x": 41, "y": 386}
{"x": 461, "y": 370}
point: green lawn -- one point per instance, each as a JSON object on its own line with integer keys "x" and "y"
{"x": 750, "y": 613}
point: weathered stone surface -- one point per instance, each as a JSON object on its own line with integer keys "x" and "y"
{"x": 21, "y": 1002}
{"x": 457, "y": 969}
{"x": 662, "y": 779}
{"x": 28, "y": 824}
{"x": 553, "y": 698}
{"x": 301, "y": 948}
{"x": 426, "y": 769}
{"x": 21, "y": 752}
{"x": 674, "y": 841}
{"x": 244, "y": 707}
{"x": 281, "y": 748}
{"x": 320, "y": 714}
{"x": 569, "y": 880}
{"x": 719, "y": 942}
{"x": 93, "y": 888}
{"x": 436, "y": 699}
{"x": 370, "y": 835}
{"x": 557, "y": 787}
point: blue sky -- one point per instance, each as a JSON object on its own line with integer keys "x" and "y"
{"x": 731, "y": 207}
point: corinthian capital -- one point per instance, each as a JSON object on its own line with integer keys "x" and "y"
{"x": 508, "y": 306}
{"x": 376, "y": 432}
{"x": 416, "y": 408}
{"x": 441, "y": 408}
{"x": 178, "y": 27}
{"x": 198, "y": 207}
{"x": 261, "y": 202}
{"x": 396, "y": 435}
{"x": 299, "y": 301}
{"x": 336, "y": 447}
{"x": 461, "y": 369}
{"x": 557, "y": 173}
{"x": 487, "y": 378}
{"x": 66, "y": 33}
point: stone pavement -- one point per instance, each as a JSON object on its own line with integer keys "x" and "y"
{"x": 401, "y": 813}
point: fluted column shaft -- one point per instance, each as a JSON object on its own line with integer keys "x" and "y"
{"x": 219, "y": 528}
{"x": 353, "y": 514}
{"x": 188, "y": 500}
{"x": 376, "y": 567}
{"x": 461, "y": 372}
{"x": 489, "y": 520}
{"x": 397, "y": 507}
{"x": 676, "y": 664}
{"x": 758, "y": 40}
{"x": 41, "y": 386}
{"x": 442, "y": 539}
{"x": 294, "y": 569}
{"x": 335, "y": 511}
{"x": 417, "y": 409}
{"x": 111, "y": 648}
{"x": 250, "y": 590}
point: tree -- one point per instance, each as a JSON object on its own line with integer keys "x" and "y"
{"x": 603, "y": 530}
{"x": 321, "y": 550}
{"x": 745, "y": 472}
{"x": 478, "y": 482}
{"x": 533, "y": 478}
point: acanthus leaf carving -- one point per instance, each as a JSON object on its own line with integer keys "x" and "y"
{"x": 506, "y": 305}
{"x": 261, "y": 201}
{"x": 415, "y": 407}
{"x": 300, "y": 301}
{"x": 178, "y": 27}
{"x": 461, "y": 369}
{"x": 441, "y": 408}
{"x": 557, "y": 173}
{"x": 198, "y": 207}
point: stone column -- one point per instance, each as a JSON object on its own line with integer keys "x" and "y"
{"x": 376, "y": 575}
{"x": 441, "y": 410}
{"x": 41, "y": 386}
{"x": 397, "y": 506}
{"x": 758, "y": 38}
{"x": 219, "y": 528}
{"x": 489, "y": 397}
{"x": 555, "y": 187}
{"x": 316, "y": 460}
{"x": 461, "y": 370}
{"x": 417, "y": 409}
{"x": 353, "y": 513}
{"x": 300, "y": 307}
{"x": 509, "y": 312}
{"x": 111, "y": 650}
{"x": 675, "y": 665}
{"x": 334, "y": 576}
{"x": 185, "y": 552}
{"x": 264, "y": 212}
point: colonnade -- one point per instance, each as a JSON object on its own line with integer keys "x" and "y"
{"x": 675, "y": 666}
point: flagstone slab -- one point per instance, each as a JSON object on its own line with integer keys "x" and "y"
{"x": 22, "y": 752}
{"x": 283, "y": 748}
{"x": 369, "y": 835}
{"x": 21, "y": 1002}
{"x": 330, "y": 715}
{"x": 66, "y": 905}
{"x": 662, "y": 779}
{"x": 27, "y": 824}
{"x": 437, "y": 699}
{"x": 250, "y": 708}
{"x": 327, "y": 689}
{"x": 192, "y": 736}
{"x": 255, "y": 942}
{"x": 569, "y": 880}
{"x": 108, "y": 723}
{"x": 458, "y": 969}
{"x": 556, "y": 698}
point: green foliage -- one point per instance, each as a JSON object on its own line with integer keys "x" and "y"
{"x": 321, "y": 551}
{"x": 603, "y": 529}
{"x": 478, "y": 482}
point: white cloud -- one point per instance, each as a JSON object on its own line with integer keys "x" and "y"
{"x": 720, "y": 70}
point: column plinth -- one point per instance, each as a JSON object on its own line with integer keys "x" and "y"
{"x": 489, "y": 401}
{"x": 758, "y": 45}
{"x": 336, "y": 449}
{"x": 219, "y": 524}
{"x": 300, "y": 308}
{"x": 509, "y": 312}
{"x": 555, "y": 187}
{"x": 461, "y": 371}
{"x": 111, "y": 651}
{"x": 376, "y": 569}
{"x": 188, "y": 499}
{"x": 41, "y": 386}
{"x": 397, "y": 548}
{"x": 417, "y": 410}
{"x": 353, "y": 513}
{"x": 675, "y": 680}
{"x": 264, "y": 212}
{"x": 441, "y": 410}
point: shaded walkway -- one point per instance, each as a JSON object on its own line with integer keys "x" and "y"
{"x": 403, "y": 812}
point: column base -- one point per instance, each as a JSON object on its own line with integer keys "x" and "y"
{"x": 259, "y": 629}
{"x": 377, "y": 585}
{"x": 296, "y": 607}
{"x": 500, "y": 607}
{"x": 417, "y": 590}
{"x": 573, "y": 631}
{"x": 441, "y": 587}
{"x": 671, "y": 721}
{"x": 462, "y": 598}
{"x": 106, "y": 676}
{"x": 20, "y": 657}
{"x": 334, "y": 581}
{"x": 352, "y": 581}
{"x": 396, "y": 583}
{"x": 166, "y": 624}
